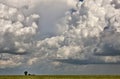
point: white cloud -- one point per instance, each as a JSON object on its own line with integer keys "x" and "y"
{"x": 86, "y": 29}
{"x": 32, "y": 61}
{"x": 8, "y": 60}
{"x": 16, "y": 32}
{"x": 84, "y": 33}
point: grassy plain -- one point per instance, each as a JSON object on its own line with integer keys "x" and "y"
{"x": 62, "y": 77}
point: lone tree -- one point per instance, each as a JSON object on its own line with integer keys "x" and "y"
{"x": 26, "y": 73}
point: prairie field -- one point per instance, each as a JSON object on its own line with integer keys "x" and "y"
{"x": 62, "y": 77}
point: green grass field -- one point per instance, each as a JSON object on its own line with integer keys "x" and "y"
{"x": 61, "y": 77}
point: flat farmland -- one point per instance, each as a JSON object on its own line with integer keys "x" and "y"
{"x": 62, "y": 77}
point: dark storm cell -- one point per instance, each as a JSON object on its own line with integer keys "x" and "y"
{"x": 83, "y": 62}
{"x": 73, "y": 10}
{"x": 81, "y": 0}
{"x": 106, "y": 28}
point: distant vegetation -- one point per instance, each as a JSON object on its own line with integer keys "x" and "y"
{"x": 26, "y": 73}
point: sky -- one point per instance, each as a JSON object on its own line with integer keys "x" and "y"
{"x": 59, "y": 37}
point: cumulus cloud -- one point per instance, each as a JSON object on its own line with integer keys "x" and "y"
{"x": 69, "y": 32}
{"x": 20, "y": 25}
{"x": 16, "y": 32}
{"x": 94, "y": 30}
{"x": 7, "y": 60}
{"x": 50, "y": 11}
